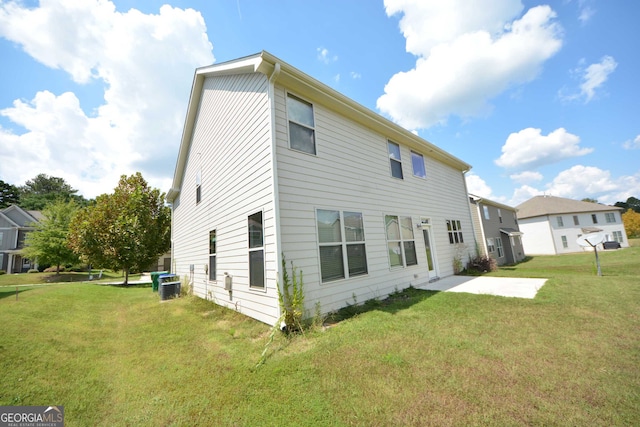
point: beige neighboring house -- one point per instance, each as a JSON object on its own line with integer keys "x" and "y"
{"x": 273, "y": 162}
{"x": 497, "y": 231}
{"x": 551, "y": 225}
{"x": 15, "y": 223}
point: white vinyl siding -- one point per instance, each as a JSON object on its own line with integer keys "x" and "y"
{"x": 351, "y": 173}
{"x": 231, "y": 145}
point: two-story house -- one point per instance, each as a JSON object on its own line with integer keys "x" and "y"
{"x": 497, "y": 231}
{"x": 15, "y": 223}
{"x": 552, "y": 225}
{"x": 274, "y": 163}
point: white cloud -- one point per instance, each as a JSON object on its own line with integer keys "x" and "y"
{"x": 477, "y": 186}
{"x": 325, "y": 56}
{"x": 465, "y": 57}
{"x": 526, "y": 177}
{"x": 632, "y": 145}
{"x": 581, "y": 181}
{"x": 528, "y": 148}
{"x": 593, "y": 77}
{"x": 146, "y": 63}
{"x": 586, "y": 14}
{"x": 355, "y": 75}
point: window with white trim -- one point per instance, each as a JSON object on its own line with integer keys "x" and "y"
{"x": 491, "y": 245}
{"x": 1, "y": 236}
{"x": 565, "y": 243}
{"x": 302, "y": 133}
{"x": 609, "y": 217}
{"x": 486, "y": 212}
{"x": 499, "y": 247}
{"x": 499, "y": 215}
{"x": 560, "y": 222}
{"x": 417, "y": 161}
{"x": 341, "y": 240}
{"x": 401, "y": 244}
{"x": 256, "y": 250}
{"x": 212, "y": 255}
{"x": 395, "y": 159}
{"x": 454, "y": 229}
{"x": 617, "y": 236}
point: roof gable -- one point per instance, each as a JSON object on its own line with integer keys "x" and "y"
{"x": 551, "y": 205}
{"x": 278, "y": 71}
{"x": 19, "y": 216}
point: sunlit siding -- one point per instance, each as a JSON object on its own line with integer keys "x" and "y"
{"x": 351, "y": 172}
{"x": 231, "y": 147}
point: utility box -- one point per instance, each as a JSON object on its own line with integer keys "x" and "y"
{"x": 228, "y": 280}
{"x": 169, "y": 286}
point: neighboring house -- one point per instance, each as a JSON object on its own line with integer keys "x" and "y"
{"x": 272, "y": 162}
{"x": 497, "y": 231}
{"x": 163, "y": 264}
{"x": 551, "y": 225}
{"x": 15, "y": 223}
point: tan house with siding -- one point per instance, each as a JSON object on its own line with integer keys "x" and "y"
{"x": 272, "y": 162}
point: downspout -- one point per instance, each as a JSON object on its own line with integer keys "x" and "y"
{"x": 274, "y": 174}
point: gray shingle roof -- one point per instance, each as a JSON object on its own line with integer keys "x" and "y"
{"x": 551, "y": 205}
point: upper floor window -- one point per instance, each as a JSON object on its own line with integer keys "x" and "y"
{"x": 500, "y": 216}
{"x": 400, "y": 241}
{"x": 302, "y": 134}
{"x": 486, "y": 212}
{"x": 594, "y": 218}
{"x": 341, "y": 240}
{"x": 560, "y": 221}
{"x": 394, "y": 159}
{"x": 576, "y": 221}
{"x": 610, "y": 217}
{"x": 454, "y": 228}
{"x": 198, "y": 186}
{"x": 418, "y": 165}
{"x": 256, "y": 250}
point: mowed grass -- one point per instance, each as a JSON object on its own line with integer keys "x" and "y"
{"x": 116, "y": 356}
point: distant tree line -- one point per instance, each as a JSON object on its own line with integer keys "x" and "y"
{"x": 38, "y": 192}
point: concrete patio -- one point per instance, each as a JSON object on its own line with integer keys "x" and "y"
{"x": 517, "y": 287}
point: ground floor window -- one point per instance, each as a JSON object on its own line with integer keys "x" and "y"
{"x": 491, "y": 245}
{"x": 256, "y": 250}
{"x": 499, "y": 247}
{"x": 401, "y": 244}
{"x": 565, "y": 244}
{"x": 454, "y": 228}
{"x": 341, "y": 243}
{"x": 617, "y": 236}
{"x": 212, "y": 255}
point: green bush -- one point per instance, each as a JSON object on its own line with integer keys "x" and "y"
{"x": 33, "y": 270}
{"x": 2, "y": 272}
{"x": 482, "y": 264}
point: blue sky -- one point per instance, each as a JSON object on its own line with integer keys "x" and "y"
{"x": 539, "y": 97}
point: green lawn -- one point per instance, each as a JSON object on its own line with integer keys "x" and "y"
{"x": 46, "y": 278}
{"x": 116, "y": 356}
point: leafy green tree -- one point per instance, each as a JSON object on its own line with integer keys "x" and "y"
{"x": 48, "y": 242}
{"x": 127, "y": 230}
{"x": 37, "y": 193}
{"x": 9, "y": 195}
{"x": 631, "y": 203}
{"x": 590, "y": 200}
{"x": 631, "y": 220}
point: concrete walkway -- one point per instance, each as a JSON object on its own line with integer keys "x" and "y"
{"x": 501, "y": 286}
